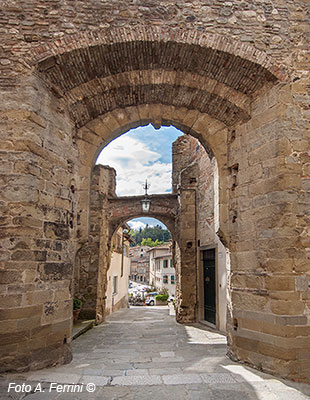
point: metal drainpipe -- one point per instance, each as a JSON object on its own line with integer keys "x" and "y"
{"x": 122, "y": 260}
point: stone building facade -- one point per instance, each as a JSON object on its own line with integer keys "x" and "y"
{"x": 139, "y": 264}
{"x": 235, "y": 75}
{"x": 162, "y": 271}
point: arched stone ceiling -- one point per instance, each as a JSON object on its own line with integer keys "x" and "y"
{"x": 91, "y": 107}
{"x": 147, "y": 77}
{"x": 76, "y": 67}
{"x": 211, "y": 75}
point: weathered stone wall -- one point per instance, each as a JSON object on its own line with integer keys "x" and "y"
{"x": 187, "y": 150}
{"x": 268, "y": 210}
{"x": 275, "y": 28}
{"x": 88, "y": 257}
{"x": 186, "y": 271}
{"x": 38, "y": 222}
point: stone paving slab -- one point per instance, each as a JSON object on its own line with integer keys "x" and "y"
{"x": 218, "y": 378}
{"x": 54, "y": 377}
{"x": 165, "y": 371}
{"x": 96, "y": 380}
{"x": 138, "y": 380}
{"x": 146, "y": 393}
{"x": 167, "y": 354}
{"x": 134, "y": 372}
{"x": 93, "y": 371}
{"x": 181, "y": 379}
{"x": 167, "y": 360}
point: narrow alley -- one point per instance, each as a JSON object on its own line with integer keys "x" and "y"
{"x": 142, "y": 353}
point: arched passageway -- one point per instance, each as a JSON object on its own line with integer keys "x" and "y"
{"x": 231, "y": 96}
{"x": 108, "y": 214}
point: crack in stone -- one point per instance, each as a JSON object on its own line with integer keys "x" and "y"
{"x": 110, "y": 379}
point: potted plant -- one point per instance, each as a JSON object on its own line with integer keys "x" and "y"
{"x": 77, "y": 305}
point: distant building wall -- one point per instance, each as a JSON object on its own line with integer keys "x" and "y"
{"x": 140, "y": 265}
{"x": 118, "y": 278}
{"x": 162, "y": 271}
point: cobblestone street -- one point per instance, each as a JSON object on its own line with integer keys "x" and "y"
{"x": 142, "y": 353}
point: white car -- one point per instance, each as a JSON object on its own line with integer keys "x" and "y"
{"x": 150, "y": 298}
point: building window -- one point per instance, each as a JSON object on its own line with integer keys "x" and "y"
{"x": 115, "y": 284}
{"x": 172, "y": 279}
{"x": 165, "y": 279}
{"x": 165, "y": 263}
{"x": 171, "y": 263}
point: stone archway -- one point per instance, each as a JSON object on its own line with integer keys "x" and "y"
{"x": 163, "y": 207}
{"x": 108, "y": 213}
{"x": 230, "y": 95}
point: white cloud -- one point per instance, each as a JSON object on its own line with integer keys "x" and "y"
{"x": 136, "y": 225}
{"x": 134, "y": 163}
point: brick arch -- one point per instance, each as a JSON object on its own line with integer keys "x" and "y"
{"x": 95, "y": 73}
{"x": 156, "y": 86}
{"x": 122, "y": 209}
{"x": 223, "y": 109}
{"x": 150, "y": 33}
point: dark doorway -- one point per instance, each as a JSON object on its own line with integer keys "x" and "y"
{"x": 209, "y": 286}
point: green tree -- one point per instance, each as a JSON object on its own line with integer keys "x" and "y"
{"x": 149, "y": 242}
{"x": 157, "y": 234}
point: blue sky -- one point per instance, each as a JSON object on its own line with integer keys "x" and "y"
{"x": 157, "y": 140}
{"x": 140, "y": 154}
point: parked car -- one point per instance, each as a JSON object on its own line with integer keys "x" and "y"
{"x": 150, "y": 298}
